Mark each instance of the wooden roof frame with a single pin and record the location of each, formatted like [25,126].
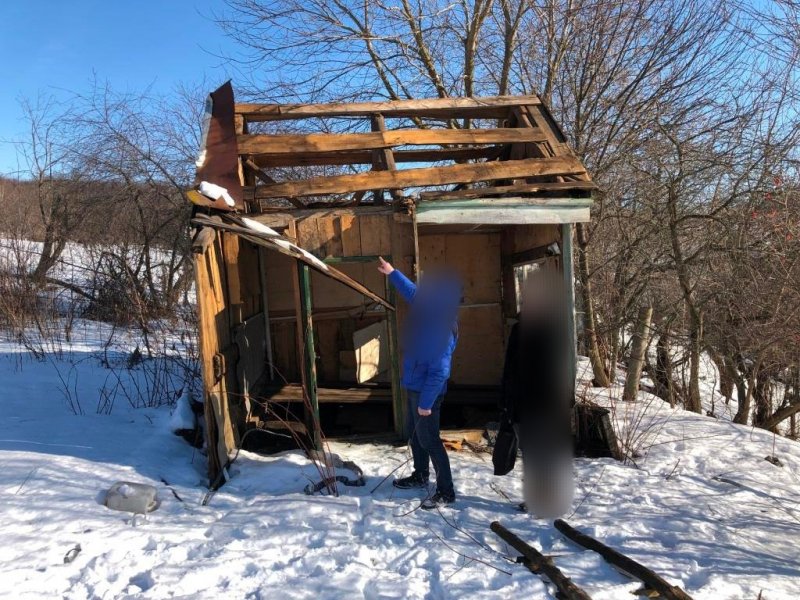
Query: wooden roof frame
[524,155]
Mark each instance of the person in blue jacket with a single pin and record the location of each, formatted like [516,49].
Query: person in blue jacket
[428,341]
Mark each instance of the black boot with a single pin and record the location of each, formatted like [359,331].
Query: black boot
[438,500]
[415,480]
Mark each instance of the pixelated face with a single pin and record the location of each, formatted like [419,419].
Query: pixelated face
[543,292]
[439,289]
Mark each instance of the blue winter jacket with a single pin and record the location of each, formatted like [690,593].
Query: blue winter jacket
[429,333]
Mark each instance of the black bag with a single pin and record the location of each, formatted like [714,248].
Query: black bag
[505,448]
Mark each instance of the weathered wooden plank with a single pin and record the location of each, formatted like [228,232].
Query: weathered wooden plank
[270,243]
[508,202]
[377,140]
[375,235]
[308,236]
[281,219]
[214,335]
[466,173]
[476,256]
[330,236]
[351,234]
[523,188]
[329,395]
[364,157]
[519,215]
[488,107]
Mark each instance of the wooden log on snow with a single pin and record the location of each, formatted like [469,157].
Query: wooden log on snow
[619,560]
[541,564]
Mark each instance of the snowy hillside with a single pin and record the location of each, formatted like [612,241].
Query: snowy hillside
[701,507]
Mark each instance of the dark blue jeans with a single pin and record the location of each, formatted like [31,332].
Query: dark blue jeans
[426,444]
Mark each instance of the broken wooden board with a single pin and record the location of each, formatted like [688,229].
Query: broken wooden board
[517,189]
[364,157]
[428,176]
[341,142]
[371,350]
[486,107]
[272,242]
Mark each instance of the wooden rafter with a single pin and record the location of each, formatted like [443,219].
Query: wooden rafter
[430,176]
[466,173]
[446,108]
[376,140]
[364,157]
[270,242]
[523,188]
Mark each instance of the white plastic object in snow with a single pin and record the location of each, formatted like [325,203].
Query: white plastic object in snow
[137,498]
[215,192]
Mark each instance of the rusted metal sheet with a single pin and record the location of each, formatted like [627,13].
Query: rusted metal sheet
[219,157]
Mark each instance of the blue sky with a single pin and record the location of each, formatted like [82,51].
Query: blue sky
[52,47]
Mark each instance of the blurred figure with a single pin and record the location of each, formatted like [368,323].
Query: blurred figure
[538,394]
[427,344]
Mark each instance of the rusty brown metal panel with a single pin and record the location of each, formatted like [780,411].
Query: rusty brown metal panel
[221,160]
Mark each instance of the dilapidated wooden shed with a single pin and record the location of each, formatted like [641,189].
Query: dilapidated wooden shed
[294,316]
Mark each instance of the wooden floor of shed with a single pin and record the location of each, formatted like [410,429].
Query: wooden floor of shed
[293,392]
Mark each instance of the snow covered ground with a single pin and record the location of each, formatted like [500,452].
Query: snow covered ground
[701,507]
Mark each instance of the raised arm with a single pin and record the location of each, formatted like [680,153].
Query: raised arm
[405,287]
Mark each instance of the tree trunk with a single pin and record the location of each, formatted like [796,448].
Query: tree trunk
[694,403]
[638,351]
[52,247]
[762,394]
[615,349]
[664,377]
[781,415]
[600,376]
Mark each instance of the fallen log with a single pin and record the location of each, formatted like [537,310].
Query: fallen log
[540,564]
[619,560]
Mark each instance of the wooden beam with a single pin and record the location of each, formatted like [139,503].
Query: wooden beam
[254,169]
[466,173]
[488,107]
[340,142]
[619,560]
[504,211]
[523,188]
[270,243]
[364,157]
[526,256]
[541,564]
[383,160]
[293,393]
[281,219]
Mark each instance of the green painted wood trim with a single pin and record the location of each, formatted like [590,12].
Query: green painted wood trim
[309,354]
[398,397]
[569,284]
